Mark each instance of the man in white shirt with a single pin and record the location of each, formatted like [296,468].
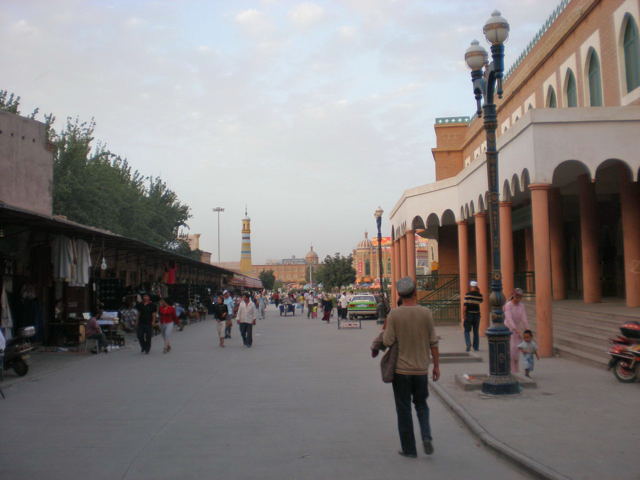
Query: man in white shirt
[344,305]
[246,319]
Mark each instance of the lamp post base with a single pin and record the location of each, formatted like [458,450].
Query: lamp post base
[500,381]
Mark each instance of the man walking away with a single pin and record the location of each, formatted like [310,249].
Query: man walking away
[146,321]
[246,320]
[411,327]
[472,301]
[228,301]
[344,306]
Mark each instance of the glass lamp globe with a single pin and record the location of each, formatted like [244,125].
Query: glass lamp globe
[496,29]
[378,213]
[475,56]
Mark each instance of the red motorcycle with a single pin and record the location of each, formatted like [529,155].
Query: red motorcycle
[625,353]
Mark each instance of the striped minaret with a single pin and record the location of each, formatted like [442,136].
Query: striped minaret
[245,251]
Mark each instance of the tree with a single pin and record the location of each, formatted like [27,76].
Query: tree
[335,272]
[268,279]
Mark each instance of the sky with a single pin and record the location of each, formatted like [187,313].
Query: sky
[310,113]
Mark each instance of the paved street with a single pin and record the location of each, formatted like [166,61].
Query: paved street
[305,402]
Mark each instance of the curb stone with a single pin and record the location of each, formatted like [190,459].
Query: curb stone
[529,464]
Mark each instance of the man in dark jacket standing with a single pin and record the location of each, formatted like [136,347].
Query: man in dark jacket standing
[411,326]
[146,321]
[472,301]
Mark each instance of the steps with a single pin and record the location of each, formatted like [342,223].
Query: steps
[581,333]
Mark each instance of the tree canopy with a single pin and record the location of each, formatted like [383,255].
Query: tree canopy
[94,186]
[268,279]
[336,271]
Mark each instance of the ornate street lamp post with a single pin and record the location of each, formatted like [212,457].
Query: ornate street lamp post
[487,81]
[382,310]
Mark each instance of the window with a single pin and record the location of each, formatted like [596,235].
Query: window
[389,266]
[367,267]
[572,91]
[631,54]
[593,72]
[551,98]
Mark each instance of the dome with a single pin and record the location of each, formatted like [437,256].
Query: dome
[311,257]
[366,243]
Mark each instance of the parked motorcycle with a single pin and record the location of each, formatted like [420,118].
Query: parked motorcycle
[17,350]
[625,353]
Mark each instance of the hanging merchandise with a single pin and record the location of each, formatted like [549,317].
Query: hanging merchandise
[82,263]
[62,257]
[6,318]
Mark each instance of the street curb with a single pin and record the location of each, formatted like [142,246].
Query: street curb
[532,466]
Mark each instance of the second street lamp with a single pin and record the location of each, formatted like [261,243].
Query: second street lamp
[487,82]
[382,310]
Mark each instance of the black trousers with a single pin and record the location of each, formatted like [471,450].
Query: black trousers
[472,323]
[405,389]
[145,333]
[246,330]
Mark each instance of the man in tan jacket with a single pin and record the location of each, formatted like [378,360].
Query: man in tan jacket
[411,326]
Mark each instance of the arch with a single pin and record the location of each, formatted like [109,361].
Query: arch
[393,233]
[571,89]
[448,217]
[515,185]
[594,79]
[481,204]
[417,223]
[631,53]
[567,171]
[612,162]
[433,223]
[472,208]
[506,191]
[462,215]
[529,107]
[466,211]
[552,100]
[525,180]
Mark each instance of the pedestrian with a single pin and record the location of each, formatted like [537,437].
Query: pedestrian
[411,327]
[472,301]
[146,321]
[167,319]
[327,307]
[229,302]
[528,348]
[262,305]
[246,320]
[515,319]
[129,315]
[94,332]
[308,301]
[276,299]
[344,306]
[181,314]
[220,313]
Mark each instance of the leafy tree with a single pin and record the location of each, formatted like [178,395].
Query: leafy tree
[336,271]
[268,279]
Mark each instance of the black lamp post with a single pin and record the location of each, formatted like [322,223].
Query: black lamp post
[487,81]
[382,310]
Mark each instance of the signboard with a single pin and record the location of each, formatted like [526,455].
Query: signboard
[343,324]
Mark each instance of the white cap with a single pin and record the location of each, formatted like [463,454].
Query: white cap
[473,283]
[225,292]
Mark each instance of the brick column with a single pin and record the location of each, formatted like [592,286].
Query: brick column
[591,286]
[630,208]
[403,256]
[411,254]
[506,248]
[482,267]
[395,272]
[556,241]
[463,261]
[542,262]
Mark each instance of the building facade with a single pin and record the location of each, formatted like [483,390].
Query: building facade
[569,167]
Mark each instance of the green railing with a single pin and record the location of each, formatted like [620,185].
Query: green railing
[526,281]
[441,294]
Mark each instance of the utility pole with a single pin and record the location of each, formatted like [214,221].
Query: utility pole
[218,210]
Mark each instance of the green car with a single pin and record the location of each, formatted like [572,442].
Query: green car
[363,306]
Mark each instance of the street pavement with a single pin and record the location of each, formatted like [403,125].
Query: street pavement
[579,421]
[306,402]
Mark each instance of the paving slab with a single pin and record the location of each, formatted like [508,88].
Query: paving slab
[306,402]
[579,421]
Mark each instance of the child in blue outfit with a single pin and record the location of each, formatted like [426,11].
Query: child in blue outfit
[528,348]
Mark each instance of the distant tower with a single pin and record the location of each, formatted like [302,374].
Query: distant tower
[245,251]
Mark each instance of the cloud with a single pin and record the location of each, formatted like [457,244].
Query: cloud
[307,14]
[254,22]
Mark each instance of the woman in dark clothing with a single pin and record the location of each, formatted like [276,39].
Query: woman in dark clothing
[327,306]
